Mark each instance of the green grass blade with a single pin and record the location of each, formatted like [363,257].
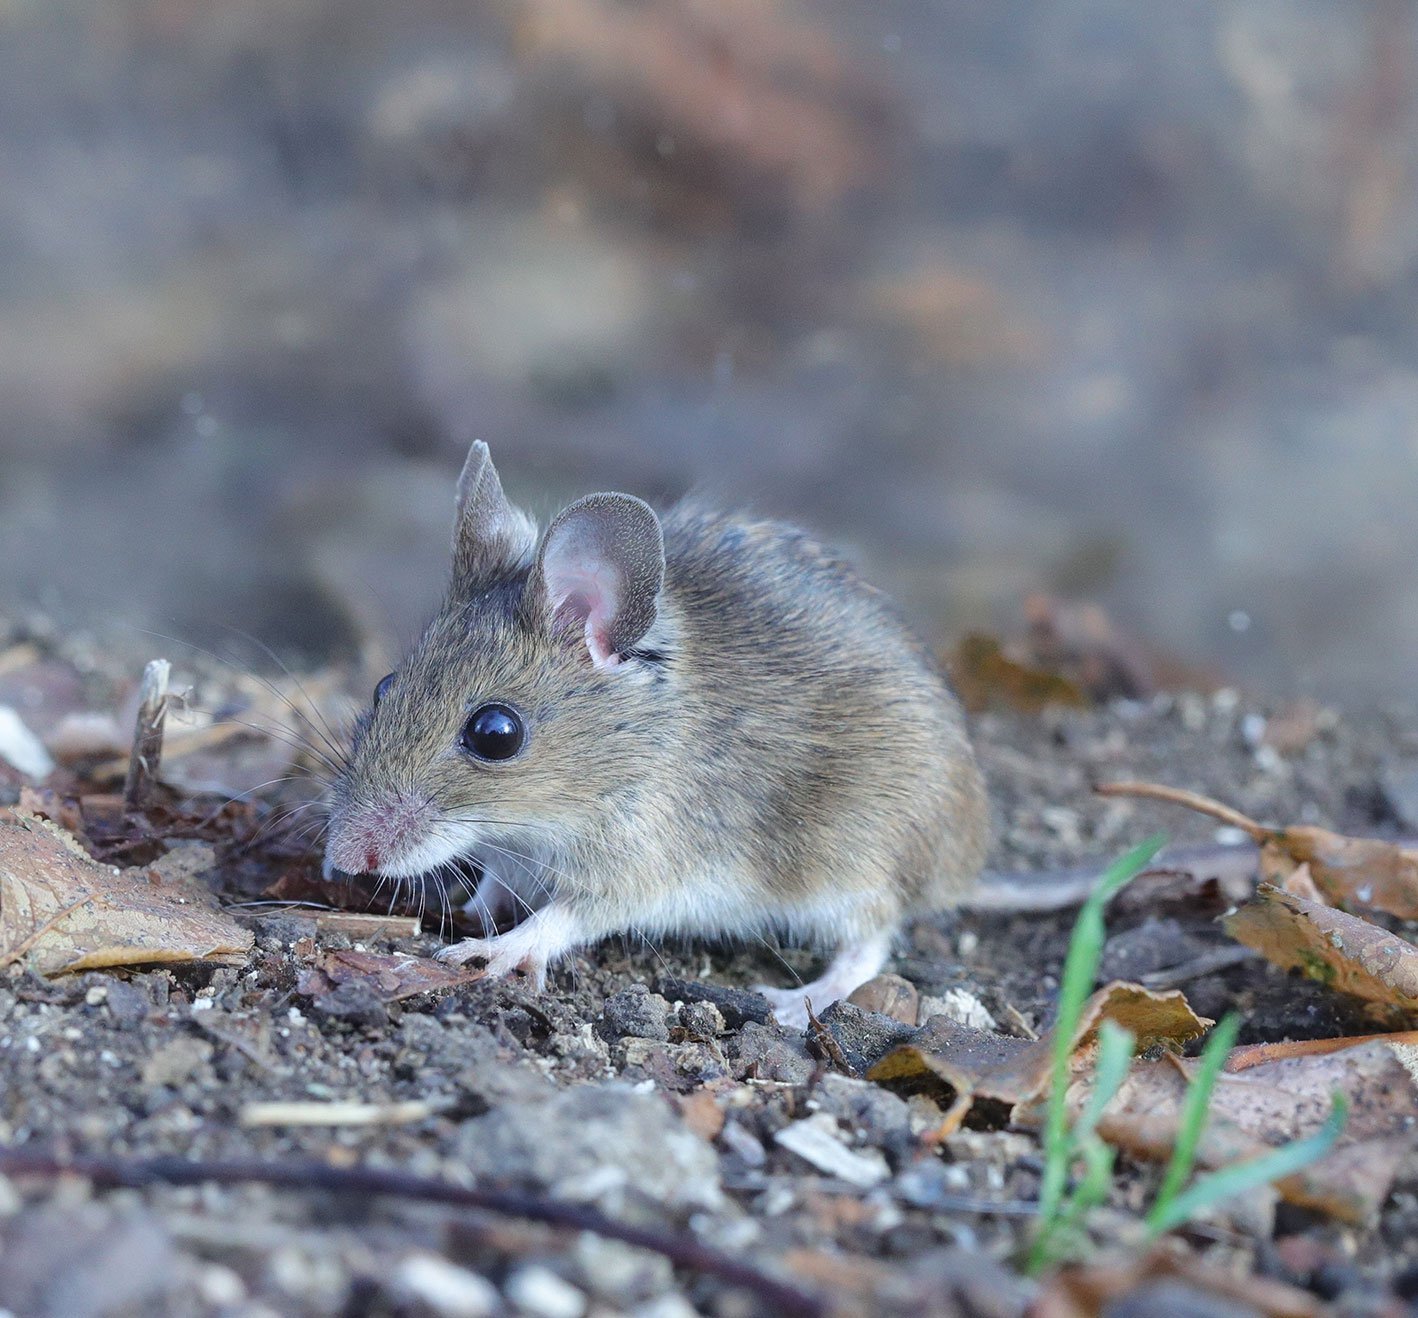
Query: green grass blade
[1080,970]
[1076,983]
[1285,1161]
[1195,1110]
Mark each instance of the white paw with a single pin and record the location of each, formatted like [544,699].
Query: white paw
[503,956]
[455,954]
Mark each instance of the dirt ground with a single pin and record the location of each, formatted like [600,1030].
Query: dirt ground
[650,1084]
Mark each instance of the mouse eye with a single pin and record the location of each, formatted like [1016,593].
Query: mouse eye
[494,732]
[382,689]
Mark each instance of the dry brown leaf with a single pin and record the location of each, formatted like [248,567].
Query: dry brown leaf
[1275,1102]
[1340,950]
[1016,1071]
[1362,871]
[60,910]
[392,977]
[1359,871]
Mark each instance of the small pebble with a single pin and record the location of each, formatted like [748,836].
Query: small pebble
[889,995]
[540,1292]
[450,1291]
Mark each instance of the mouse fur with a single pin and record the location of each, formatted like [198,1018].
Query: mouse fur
[727,733]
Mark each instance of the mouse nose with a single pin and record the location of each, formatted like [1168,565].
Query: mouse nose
[370,836]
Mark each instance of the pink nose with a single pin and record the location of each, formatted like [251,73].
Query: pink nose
[359,841]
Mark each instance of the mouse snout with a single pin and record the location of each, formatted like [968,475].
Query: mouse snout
[367,838]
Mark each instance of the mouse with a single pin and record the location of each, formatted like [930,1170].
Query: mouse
[699,724]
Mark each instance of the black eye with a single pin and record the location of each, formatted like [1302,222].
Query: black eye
[382,689]
[494,732]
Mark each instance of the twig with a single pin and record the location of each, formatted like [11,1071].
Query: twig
[335,1114]
[146,756]
[1219,958]
[821,1038]
[681,1250]
[1192,800]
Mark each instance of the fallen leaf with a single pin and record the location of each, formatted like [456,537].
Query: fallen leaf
[1273,1103]
[62,911]
[1016,1071]
[393,978]
[1340,950]
[1363,871]
[1359,871]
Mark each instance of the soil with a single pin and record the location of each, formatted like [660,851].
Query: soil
[649,1084]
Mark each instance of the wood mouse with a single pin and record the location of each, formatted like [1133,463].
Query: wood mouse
[701,725]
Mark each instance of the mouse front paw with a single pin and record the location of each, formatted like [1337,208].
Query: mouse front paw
[501,958]
[530,948]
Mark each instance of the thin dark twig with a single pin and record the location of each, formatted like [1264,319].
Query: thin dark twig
[681,1250]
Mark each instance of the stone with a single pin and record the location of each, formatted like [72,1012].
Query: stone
[354,1002]
[818,1140]
[737,1006]
[864,1036]
[759,1053]
[174,1062]
[450,1291]
[540,1292]
[887,995]
[600,1143]
[635,1012]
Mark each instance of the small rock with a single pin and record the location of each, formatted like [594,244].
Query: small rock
[354,1002]
[1399,785]
[1153,945]
[818,1140]
[702,1020]
[540,1292]
[760,1052]
[636,1012]
[737,1006]
[127,1002]
[745,1147]
[595,1143]
[961,1006]
[174,1062]
[864,1037]
[616,1271]
[883,1118]
[450,1291]
[887,995]
[21,749]
[664,1306]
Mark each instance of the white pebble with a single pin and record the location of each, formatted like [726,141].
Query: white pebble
[817,1140]
[542,1293]
[447,1289]
[21,747]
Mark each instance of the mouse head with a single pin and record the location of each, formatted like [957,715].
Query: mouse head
[533,701]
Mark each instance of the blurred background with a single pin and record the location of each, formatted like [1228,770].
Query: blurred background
[1107,300]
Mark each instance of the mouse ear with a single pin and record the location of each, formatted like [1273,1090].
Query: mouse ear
[602,564]
[489,533]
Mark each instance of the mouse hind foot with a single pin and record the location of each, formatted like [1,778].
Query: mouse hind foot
[851,967]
